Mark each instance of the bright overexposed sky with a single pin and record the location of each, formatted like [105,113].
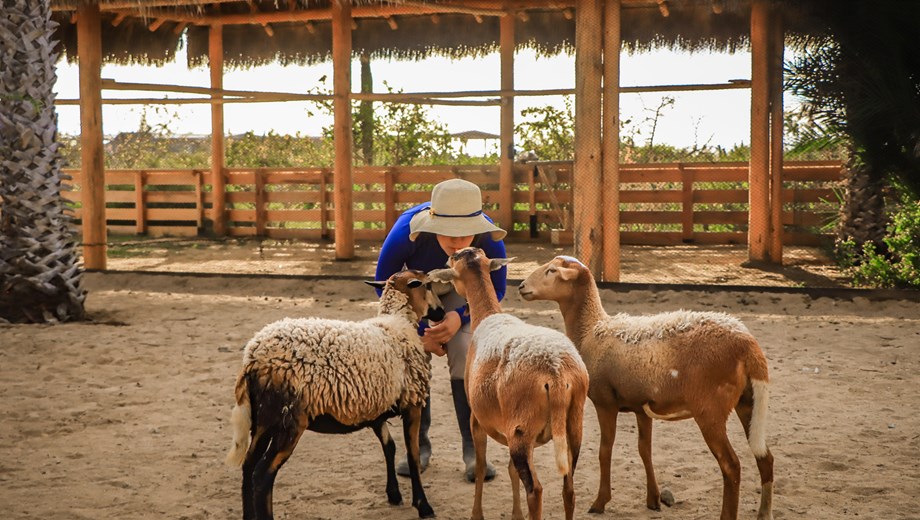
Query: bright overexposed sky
[719,117]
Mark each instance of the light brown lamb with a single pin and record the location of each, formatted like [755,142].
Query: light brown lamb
[670,366]
[525,384]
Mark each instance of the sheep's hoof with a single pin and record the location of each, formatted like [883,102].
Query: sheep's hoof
[667,498]
[394,499]
[425,510]
[596,510]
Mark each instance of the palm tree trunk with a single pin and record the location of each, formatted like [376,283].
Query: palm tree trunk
[863,218]
[40,279]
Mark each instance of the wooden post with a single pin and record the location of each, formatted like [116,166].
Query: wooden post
[218,181]
[199,198]
[506,146]
[389,198]
[776,136]
[140,219]
[92,171]
[611,143]
[342,180]
[686,177]
[260,201]
[587,174]
[532,201]
[323,202]
[758,179]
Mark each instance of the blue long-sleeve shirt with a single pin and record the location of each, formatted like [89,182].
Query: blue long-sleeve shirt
[425,254]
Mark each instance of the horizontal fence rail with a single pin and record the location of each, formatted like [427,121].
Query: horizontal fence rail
[660,204]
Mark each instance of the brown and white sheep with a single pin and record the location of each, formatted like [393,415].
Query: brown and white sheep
[332,376]
[525,384]
[669,366]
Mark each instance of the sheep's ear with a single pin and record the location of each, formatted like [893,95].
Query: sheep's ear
[497,263]
[377,284]
[442,275]
[568,273]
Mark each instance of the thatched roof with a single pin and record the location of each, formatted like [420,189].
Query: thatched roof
[127,36]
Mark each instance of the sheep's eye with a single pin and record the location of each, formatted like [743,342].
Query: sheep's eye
[415,283]
[551,270]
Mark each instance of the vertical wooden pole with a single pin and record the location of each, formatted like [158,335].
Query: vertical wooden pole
[389,198]
[342,180]
[686,177]
[323,204]
[199,197]
[260,201]
[218,181]
[758,179]
[611,143]
[140,218]
[587,175]
[92,171]
[506,134]
[776,136]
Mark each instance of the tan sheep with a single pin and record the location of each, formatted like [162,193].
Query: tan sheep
[332,376]
[671,366]
[525,384]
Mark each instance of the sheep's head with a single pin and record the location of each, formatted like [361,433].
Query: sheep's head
[417,287]
[556,280]
[465,263]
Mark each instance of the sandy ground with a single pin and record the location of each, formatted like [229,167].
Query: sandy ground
[127,416]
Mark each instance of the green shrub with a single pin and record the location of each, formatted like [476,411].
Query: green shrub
[899,266]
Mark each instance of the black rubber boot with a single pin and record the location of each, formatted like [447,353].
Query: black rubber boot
[462,408]
[424,444]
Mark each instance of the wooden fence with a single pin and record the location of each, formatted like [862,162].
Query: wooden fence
[661,204]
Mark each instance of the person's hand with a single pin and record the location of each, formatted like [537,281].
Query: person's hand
[442,331]
[435,347]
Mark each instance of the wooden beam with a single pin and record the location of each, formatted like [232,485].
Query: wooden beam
[611,143]
[92,170]
[587,171]
[776,136]
[342,180]
[506,125]
[218,180]
[759,180]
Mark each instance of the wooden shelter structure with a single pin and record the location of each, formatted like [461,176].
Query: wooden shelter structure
[251,32]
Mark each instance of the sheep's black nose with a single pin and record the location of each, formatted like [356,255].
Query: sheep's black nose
[435,314]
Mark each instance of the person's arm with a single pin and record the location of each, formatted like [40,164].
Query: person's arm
[499,277]
[394,252]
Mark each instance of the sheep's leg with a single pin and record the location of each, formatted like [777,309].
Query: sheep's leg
[607,417]
[479,444]
[516,513]
[260,440]
[389,455]
[652,491]
[412,420]
[745,411]
[522,457]
[574,432]
[717,439]
[283,442]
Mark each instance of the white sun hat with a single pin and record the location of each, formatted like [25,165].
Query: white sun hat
[456,211]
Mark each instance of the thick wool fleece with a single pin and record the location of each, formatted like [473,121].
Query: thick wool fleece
[505,337]
[637,329]
[352,371]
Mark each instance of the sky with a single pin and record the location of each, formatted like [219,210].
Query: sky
[719,117]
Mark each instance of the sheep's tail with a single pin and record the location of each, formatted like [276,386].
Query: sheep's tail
[559,394]
[760,385]
[240,422]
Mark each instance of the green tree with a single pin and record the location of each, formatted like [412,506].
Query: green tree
[40,278]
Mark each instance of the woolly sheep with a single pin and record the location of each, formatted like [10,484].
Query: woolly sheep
[525,384]
[332,376]
[670,366]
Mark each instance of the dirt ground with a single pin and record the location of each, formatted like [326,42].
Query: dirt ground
[126,416]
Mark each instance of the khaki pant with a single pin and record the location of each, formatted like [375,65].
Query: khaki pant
[458,346]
